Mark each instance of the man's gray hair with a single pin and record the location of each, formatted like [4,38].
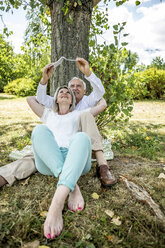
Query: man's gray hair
[55,104]
[76,78]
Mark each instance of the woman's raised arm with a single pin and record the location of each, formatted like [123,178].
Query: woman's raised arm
[37,108]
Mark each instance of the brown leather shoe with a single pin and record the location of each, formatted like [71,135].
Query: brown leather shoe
[105,175]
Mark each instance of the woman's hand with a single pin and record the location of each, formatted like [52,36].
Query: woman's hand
[46,73]
[83,66]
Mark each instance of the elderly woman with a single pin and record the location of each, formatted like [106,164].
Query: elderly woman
[61,151]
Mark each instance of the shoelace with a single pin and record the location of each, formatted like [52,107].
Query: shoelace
[58,62]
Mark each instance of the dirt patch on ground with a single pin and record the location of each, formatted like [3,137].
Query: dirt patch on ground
[126,165]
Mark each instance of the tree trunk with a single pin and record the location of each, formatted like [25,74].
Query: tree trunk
[69,39]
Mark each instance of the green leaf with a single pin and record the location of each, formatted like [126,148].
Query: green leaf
[112,46]
[137,3]
[124,43]
[79,3]
[116,40]
[115,27]
[66,10]
[120,3]
[92,43]
[2,8]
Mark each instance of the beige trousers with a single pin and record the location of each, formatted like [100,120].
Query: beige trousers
[25,166]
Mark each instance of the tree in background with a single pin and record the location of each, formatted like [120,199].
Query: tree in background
[129,60]
[6,62]
[14,66]
[158,63]
[37,41]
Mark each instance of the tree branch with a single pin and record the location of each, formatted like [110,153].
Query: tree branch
[2,20]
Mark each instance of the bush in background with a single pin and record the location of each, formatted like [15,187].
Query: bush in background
[21,87]
[148,84]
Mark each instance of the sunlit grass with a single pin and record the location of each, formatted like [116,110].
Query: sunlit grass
[144,134]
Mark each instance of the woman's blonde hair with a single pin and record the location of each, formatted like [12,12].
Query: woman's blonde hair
[55,104]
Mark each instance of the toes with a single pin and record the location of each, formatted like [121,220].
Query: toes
[72,207]
[47,231]
[48,235]
[59,232]
[53,233]
[56,231]
[76,207]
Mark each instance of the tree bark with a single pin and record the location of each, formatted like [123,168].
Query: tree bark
[69,39]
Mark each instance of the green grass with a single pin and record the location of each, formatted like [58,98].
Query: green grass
[144,134]
[21,204]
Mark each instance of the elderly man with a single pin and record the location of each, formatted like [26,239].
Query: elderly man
[25,167]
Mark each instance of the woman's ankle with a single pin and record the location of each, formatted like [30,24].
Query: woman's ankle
[59,197]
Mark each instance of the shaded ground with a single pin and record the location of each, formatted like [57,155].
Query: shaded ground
[22,204]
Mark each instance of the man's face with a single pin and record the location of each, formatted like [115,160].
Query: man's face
[78,89]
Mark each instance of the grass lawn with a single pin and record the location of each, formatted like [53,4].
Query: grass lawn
[144,134]
[139,148]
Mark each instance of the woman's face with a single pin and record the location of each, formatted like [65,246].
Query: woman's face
[64,96]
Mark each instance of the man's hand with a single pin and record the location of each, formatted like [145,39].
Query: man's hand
[83,66]
[46,73]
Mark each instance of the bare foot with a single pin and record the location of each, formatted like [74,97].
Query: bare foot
[76,200]
[54,223]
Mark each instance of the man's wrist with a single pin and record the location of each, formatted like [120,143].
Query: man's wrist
[43,82]
[88,73]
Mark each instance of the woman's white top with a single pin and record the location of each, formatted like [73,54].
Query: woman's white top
[62,126]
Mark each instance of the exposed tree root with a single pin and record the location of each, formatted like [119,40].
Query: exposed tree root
[142,195]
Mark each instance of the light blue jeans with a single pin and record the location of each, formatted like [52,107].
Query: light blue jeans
[50,159]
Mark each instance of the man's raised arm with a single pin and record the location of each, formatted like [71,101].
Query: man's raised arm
[42,97]
[98,88]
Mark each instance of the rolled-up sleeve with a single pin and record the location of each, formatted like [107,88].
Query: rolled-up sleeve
[98,90]
[42,97]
